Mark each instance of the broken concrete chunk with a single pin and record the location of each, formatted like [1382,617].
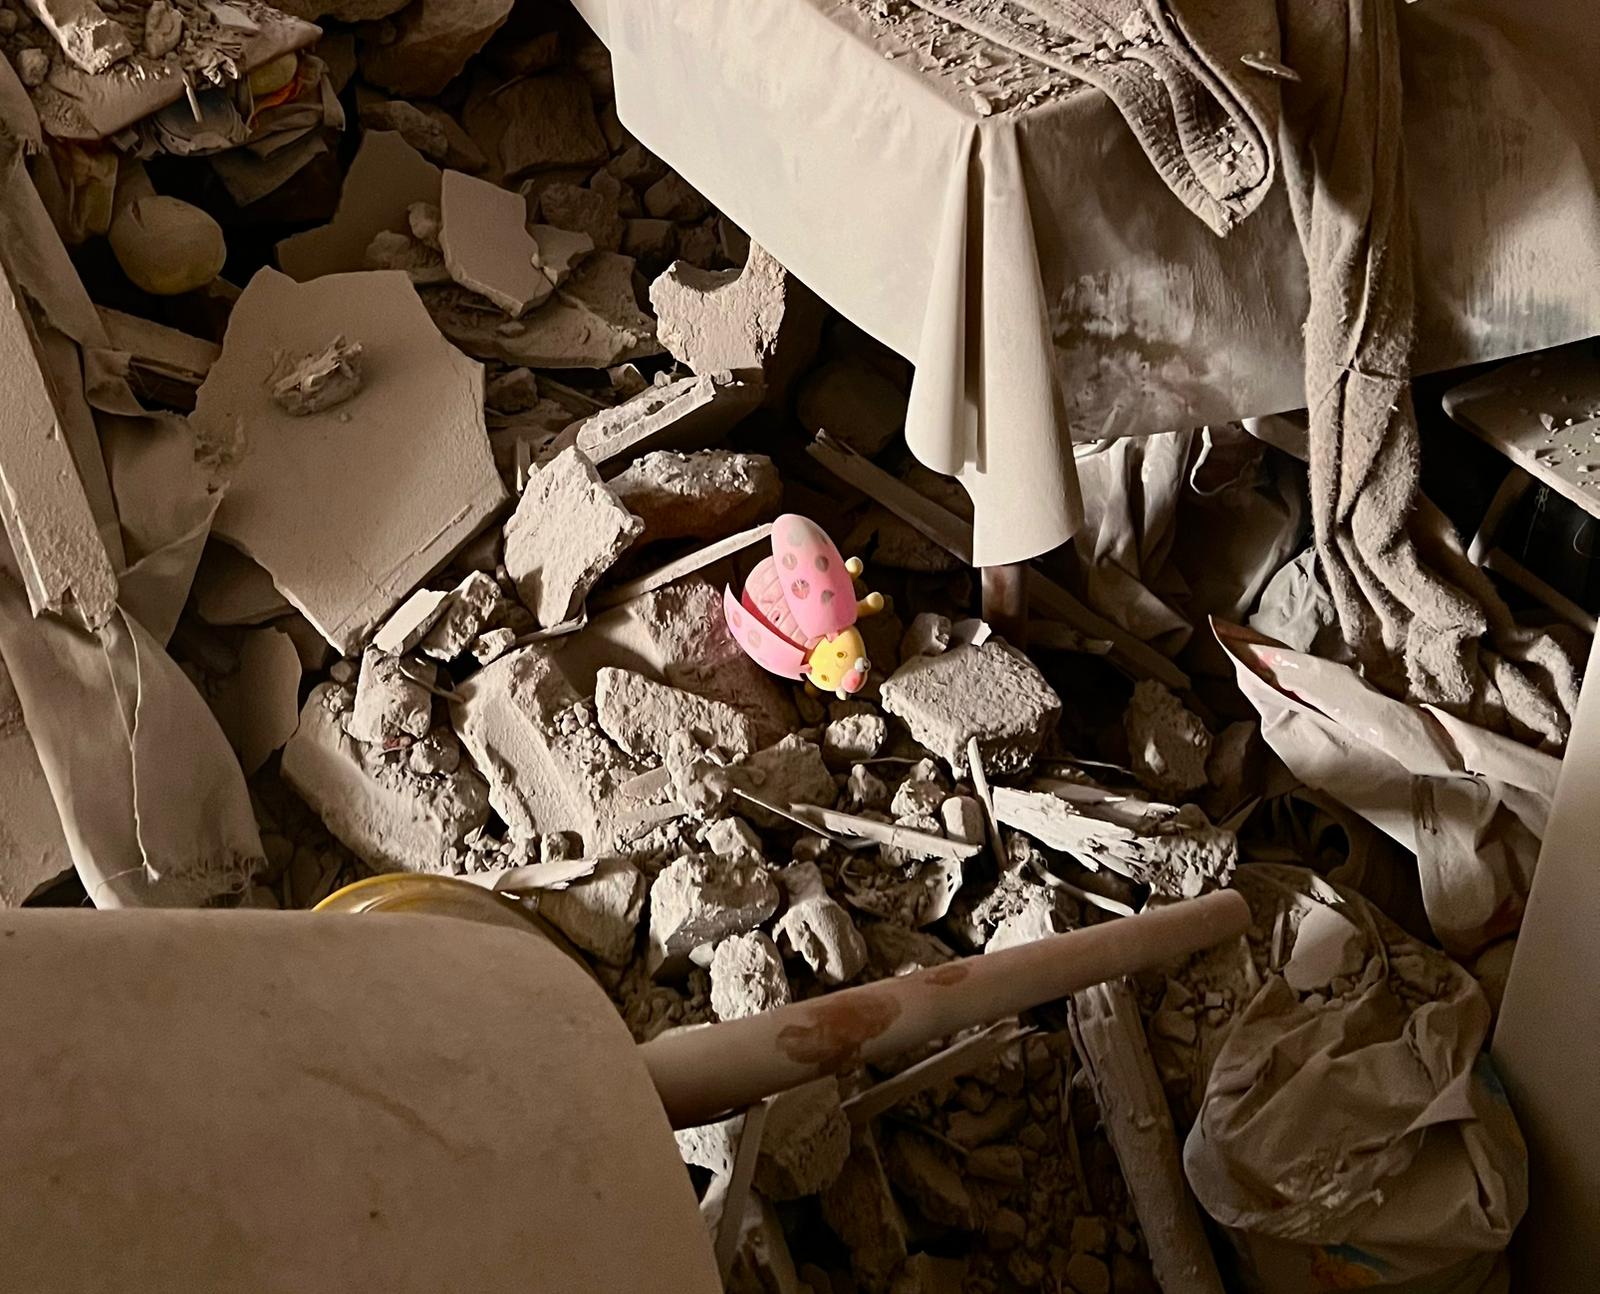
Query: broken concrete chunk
[423,132]
[790,771]
[558,252]
[163,29]
[1167,743]
[601,912]
[988,692]
[537,123]
[549,765]
[86,33]
[928,1180]
[711,1146]
[861,1210]
[392,703]
[818,929]
[484,236]
[312,383]
[583,211]
[593,321]
[425,220]
[438,752]
[421,49]
[894,949]
[568,530]
[167,246]
[854,404]
[466,612]
[686,414]
[805,1142]
[641,716]
[652,241]
[854,738]
[747,976]
[386,814]
[723,320]
[515,391]
[703,898]
[351,509]
[673,198]
[706,495]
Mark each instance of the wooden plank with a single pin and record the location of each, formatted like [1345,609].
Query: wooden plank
[1524,408]
[954,535]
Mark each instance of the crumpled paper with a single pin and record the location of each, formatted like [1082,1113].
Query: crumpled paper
[1471,804]
[1359,1141]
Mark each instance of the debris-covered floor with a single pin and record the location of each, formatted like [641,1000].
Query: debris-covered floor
[387,424]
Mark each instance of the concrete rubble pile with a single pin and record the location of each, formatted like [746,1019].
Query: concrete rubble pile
[489,404]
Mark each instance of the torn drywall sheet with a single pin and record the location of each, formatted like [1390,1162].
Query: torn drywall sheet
[346,523]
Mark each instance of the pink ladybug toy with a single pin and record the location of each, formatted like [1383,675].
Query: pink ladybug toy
[799,610]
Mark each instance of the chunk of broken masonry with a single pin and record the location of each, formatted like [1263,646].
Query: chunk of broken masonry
[1167,743]
[854,738]
[383,811]
[641,715]
[536,123]
[861,1210]
[818,929]
[686,414]
[466,612]
[705,495]
[350,509]
[53,534]
[600,913]
[704,898]
[86,33]
[855,404]
[568,530]
[393,703]
[593,321]
[583,211]
[747,976]
[483,234]
[311,383]
[550,767]
[805,1142]
[990,692]
[723,320]
[422,48]
[928,1180]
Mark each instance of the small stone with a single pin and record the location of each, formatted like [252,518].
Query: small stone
[1167,743]
[650,240]
[928,635]
[1088,1274]
[706,495]
[438,752]
[854,738]
[583,211]
[731,837]
[672,198]
[494,644]
[601,912]
[747,976]
[999,1164]
[1090,1234]
[391,706]
[163,29]
[1005,1229]
[914,798]
[1002,1119]
[865,789]
[817,928]
[924,1177]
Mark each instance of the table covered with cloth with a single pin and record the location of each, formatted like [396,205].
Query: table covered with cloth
[966,187]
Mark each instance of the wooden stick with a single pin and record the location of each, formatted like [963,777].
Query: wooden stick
[686,565]
[701,1073]
[1110,1040]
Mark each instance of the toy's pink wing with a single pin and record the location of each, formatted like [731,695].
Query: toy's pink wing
[815,583]
[763,592]
[760,641]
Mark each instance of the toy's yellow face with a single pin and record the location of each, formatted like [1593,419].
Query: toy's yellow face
[839,664]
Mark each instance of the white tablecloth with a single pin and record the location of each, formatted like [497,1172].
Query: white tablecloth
[1039,274]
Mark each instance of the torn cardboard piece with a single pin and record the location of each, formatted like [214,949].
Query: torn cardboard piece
[345,518]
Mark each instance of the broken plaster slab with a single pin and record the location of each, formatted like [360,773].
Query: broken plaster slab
[429,43]
[350,509]
[63,560]
[386,177]
[487,248]
[550,767]
[690,413]
[641,716]
[568,530]
[388,815]
[592,321]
